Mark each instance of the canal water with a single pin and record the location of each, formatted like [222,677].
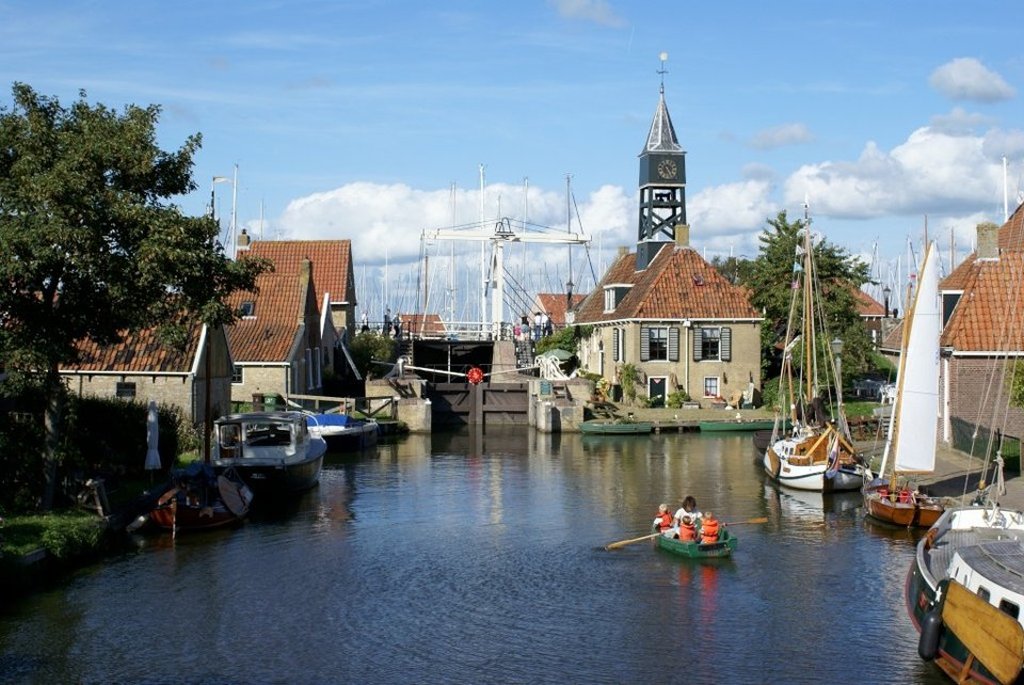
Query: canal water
[478,558]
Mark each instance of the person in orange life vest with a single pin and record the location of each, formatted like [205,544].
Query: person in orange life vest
[708,528]
[687,529]
[663,521]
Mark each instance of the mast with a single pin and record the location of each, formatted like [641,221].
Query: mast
[568,229]
[483,261]
[808,327]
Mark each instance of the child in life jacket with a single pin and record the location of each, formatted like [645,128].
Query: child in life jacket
[687,529]
[663,521]
[708,529]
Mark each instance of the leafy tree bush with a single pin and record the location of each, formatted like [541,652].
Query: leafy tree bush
[676,398]
[93,244]
[628,377]
[370,346]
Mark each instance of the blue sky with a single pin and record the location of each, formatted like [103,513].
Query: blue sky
[354,119]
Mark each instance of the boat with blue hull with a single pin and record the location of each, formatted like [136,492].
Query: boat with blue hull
[343,433]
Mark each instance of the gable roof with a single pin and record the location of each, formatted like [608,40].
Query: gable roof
[268,334]
[989,316]
[867,305]
[1011,239]
[553,304]
[139,352]
[428,325]
[677,284]
[331,259]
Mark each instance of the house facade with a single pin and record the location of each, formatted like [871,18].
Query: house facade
[143,368]
[662,310]
[983,341]
[276,346]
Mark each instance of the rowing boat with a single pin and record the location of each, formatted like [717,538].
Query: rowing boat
[616,427]
[695,550]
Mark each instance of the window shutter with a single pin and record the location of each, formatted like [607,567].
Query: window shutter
[645,344]
[726,345]
[698,342]
[673,344]
[615,344]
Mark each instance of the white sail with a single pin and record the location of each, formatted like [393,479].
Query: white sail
[917,397]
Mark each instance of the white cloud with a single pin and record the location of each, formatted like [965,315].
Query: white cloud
[729,211]
[597,11]
[931,172]
[966,78]
[390,219]
[959,122]
[779,136]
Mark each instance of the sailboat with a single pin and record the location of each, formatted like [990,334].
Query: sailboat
[816,453]
[910,445]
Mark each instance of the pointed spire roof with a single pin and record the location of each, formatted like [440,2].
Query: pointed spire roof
[662,137]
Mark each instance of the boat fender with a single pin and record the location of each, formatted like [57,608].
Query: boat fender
[931,629]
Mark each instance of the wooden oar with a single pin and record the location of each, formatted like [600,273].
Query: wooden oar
[761,519]
[623,543]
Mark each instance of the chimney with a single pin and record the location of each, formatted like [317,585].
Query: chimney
[243,241]
[988,240]
[682,235]
[623,250]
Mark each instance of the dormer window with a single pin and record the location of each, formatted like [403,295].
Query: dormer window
[248,309]
[613,295]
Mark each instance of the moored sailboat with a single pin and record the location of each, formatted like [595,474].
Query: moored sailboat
[816,453]
[910,445]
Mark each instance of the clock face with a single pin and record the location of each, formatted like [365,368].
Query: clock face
[667,168]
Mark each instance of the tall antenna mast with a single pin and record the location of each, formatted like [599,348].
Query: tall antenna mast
[568,229]
[483,265]
[234,210]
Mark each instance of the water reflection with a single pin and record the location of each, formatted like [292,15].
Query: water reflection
[478,557]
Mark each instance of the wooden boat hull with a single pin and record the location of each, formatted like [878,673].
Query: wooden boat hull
[196,505]
[599,427]
[907,514]
[694,550]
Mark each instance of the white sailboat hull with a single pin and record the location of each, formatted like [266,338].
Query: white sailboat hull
[812,477]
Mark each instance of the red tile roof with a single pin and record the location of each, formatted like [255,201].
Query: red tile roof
[429,325]
[1011,239]
[553,304]
[989,316]
[867,305]
[267,336]
[677,284]
[331,259]
[139,352]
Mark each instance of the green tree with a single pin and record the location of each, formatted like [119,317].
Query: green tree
[91,245]
[369,347]
[839,275]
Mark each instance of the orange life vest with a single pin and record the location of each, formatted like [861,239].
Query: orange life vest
[709,531]
[666,521]
[687,532]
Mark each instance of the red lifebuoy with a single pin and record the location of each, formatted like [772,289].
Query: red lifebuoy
[475,375]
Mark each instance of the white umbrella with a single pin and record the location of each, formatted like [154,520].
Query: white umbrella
[152,438]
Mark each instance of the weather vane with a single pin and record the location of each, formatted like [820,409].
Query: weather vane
[664,58]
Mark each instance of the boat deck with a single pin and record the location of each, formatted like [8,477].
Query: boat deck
[975,541]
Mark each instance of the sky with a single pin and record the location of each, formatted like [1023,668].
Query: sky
[370,120]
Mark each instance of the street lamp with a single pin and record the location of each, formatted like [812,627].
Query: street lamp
[886,292]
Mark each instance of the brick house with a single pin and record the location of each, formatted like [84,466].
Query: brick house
[682,324]
[332,261]
[277,346]
[983,335]
[142,368]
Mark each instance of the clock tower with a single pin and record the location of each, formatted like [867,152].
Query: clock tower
[662,183]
